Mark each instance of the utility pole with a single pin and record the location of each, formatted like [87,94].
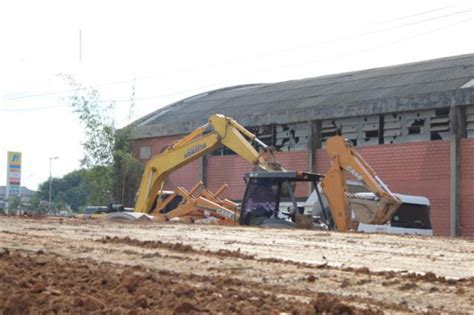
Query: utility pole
[50,180]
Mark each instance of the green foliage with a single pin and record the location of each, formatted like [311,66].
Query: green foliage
[13,203]
[96,117]
[36,206]
[72,190]
[99,180]
[113,174]
[127,169]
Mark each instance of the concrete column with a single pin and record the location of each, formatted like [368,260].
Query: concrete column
[458,130]
[313,144]
[203,169]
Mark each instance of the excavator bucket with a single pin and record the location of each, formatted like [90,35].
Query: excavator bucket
[370,210]
[193,206]
[215,197]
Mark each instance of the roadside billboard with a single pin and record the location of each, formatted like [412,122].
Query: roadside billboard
[14,174]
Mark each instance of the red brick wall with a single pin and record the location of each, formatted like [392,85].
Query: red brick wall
[156,144]
[229,170]
[221,169]
[186,176]
[466,188]
[411,168]
[232,168]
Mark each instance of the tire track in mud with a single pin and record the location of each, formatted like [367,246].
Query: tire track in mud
[357,278]
[180,247]
[43,283]
[394,292]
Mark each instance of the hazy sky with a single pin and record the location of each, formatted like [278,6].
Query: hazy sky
[175,49]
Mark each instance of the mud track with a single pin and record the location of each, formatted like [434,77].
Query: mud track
[66,266]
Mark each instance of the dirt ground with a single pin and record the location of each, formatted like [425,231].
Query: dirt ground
[84,266]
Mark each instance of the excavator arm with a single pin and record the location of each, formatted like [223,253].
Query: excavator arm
[345,159]
[223,131]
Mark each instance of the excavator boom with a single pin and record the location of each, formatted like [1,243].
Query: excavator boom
[223,131]
[345,159]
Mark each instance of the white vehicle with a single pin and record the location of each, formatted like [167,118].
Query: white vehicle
[412,217]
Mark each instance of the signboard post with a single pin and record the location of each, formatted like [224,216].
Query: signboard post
[14,174]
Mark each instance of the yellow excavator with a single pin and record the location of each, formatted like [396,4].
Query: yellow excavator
[269,177]
[220,130]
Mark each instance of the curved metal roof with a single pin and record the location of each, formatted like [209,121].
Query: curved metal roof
[420,85]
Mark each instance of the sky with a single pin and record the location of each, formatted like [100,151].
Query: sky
[170,50]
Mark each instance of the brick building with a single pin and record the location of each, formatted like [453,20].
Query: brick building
[414,124]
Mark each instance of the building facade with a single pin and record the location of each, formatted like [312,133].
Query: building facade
[413,123]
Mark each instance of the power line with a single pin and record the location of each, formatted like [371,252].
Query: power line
[368,49]
[51,93]
[363,34]
[415,14]
[418,22]
[196,112]
[30,109]
[352,36]
[287,66]
[116,100]
[266,69]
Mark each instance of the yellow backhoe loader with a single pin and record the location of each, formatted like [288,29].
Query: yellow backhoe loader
[345,159]
[224,131]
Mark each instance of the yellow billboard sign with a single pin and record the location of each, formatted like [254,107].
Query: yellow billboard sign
[14,174]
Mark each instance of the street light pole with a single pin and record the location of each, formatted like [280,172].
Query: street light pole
[50,180]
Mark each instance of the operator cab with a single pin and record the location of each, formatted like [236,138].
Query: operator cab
[264,193]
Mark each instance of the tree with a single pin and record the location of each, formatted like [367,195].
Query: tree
[73,189]
[127,169]
[114,173]
[13,203]
[36,207]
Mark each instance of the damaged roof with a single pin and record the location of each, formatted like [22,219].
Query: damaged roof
[420,85]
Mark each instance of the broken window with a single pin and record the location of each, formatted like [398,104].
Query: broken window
[346,127]
[392,128]
[328,129]
[370,130]
[405,127]
[470,121]
[266,134]
[349,128]
[292,137]
[439,124]
[416,126]
[361,131]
